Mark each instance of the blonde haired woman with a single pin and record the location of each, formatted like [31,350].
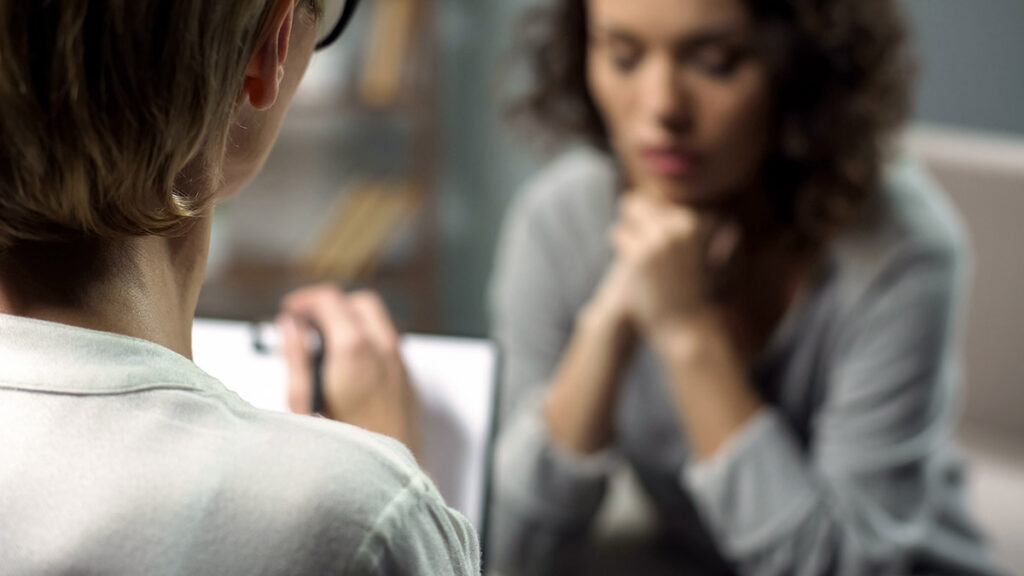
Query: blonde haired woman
[121,123]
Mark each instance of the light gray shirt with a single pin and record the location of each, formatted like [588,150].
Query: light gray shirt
[849,469]
[118,456]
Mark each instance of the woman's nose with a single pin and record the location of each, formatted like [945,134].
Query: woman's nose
[666,100]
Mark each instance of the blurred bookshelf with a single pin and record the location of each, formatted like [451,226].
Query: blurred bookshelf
[348,194]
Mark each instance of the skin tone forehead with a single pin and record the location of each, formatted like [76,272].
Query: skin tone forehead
[666,21]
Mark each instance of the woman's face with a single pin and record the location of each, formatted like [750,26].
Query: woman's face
[682,94]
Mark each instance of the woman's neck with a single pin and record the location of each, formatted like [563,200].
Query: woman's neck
[769,257]
[145,287]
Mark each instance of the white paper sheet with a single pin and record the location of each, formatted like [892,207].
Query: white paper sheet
[454,378]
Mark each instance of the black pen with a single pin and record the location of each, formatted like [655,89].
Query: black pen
[266,339]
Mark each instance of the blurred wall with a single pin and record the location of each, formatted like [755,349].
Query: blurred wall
[973,77]
[483,165]
[973,71]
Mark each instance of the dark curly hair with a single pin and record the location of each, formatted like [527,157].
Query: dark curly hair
[841,74]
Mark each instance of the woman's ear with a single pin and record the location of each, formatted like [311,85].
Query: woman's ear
[265,70]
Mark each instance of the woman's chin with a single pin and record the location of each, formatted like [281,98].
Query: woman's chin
[689,194]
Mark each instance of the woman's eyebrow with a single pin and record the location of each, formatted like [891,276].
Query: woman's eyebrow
[708,35]
[615,34]
[713,35]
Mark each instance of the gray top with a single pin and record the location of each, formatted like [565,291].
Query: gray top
[119,456]
[850,469]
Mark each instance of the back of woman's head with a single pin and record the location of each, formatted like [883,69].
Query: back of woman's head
[103,104]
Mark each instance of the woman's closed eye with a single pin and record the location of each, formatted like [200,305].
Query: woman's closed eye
[718,61]
[625,57]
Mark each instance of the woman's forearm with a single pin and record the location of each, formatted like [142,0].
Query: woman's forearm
[580,404]
[713,396]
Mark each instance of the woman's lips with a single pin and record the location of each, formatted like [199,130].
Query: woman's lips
[670,161]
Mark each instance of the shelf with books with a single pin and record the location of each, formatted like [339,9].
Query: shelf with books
[348,195]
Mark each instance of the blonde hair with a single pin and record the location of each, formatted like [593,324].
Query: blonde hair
[103,104]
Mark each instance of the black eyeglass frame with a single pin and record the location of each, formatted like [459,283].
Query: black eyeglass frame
[339,27]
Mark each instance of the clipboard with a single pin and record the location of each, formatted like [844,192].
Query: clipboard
[455,379]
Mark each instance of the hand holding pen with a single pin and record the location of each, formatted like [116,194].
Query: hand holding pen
[364,380]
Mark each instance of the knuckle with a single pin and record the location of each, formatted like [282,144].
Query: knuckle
[327,288]
[369,299]
[368,295]
[331,293]
[350,343]
[687,223]
[660,242]
[391,347]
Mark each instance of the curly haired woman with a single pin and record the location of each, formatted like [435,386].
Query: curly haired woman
[735,289]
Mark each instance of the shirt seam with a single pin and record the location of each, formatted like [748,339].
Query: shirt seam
[364,556]
[59,391]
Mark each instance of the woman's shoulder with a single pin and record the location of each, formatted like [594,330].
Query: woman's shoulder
[579,183]
[306,477]
[553,246]
[912,219]
[330,454]
[916,211]
[334,476]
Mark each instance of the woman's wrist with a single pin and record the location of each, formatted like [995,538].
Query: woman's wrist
[692,340]
[606,323]
[713,396]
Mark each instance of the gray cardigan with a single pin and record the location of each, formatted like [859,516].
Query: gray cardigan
[851,469]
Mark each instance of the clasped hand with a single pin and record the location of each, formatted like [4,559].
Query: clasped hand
[658,282]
